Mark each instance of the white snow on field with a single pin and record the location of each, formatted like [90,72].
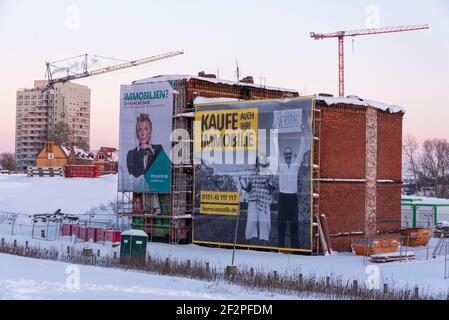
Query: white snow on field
[41,279]
[427,200]
[19,193]
[426,272]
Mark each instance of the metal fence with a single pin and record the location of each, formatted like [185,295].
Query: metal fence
[417,215]
[36,227]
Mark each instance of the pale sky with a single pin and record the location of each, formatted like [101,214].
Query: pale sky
[270,39]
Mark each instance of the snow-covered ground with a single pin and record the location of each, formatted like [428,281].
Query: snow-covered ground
[19,194]
[427,200]
[426,272]
[41,279]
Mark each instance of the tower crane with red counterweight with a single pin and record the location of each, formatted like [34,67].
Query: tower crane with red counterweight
[353,33]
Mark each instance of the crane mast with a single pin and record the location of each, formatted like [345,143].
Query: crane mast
[353,33]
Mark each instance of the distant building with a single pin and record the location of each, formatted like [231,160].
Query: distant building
[71,105]
[55,155]
[52,155]
[107,159]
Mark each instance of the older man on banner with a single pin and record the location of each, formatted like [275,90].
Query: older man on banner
[259,187]
[290,125]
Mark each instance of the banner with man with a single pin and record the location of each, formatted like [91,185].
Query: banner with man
[253,164]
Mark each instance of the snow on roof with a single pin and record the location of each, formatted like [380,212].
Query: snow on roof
[204,100]
[134,232]
[354,100]
[79,153]
[66,150]
[82,154]
[162,78]
[108,149]
[114,156]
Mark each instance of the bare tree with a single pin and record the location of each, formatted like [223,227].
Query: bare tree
[7,161]
[410,149]
[442,155]
[82,144]
[435,163]
[429,163]
[62,134]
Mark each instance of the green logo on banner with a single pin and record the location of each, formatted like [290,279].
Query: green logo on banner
[158,176]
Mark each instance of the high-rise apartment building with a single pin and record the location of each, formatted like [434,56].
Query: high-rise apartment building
[69,102]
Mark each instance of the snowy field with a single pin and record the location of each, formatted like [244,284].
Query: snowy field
[25,278]
[428,200]
[41,279]
[428,274]
[22,194]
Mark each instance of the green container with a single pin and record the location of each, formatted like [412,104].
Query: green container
[156,228]
[161,227]
[133,246]
[138,223]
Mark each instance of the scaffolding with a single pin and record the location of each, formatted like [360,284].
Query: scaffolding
[167,217]
[173,222]
[316,132]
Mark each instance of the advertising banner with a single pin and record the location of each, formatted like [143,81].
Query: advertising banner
[253,174]
[145,129]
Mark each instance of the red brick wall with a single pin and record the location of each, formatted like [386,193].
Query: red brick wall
[342,143]
[343,243]
[389,149]
[343,150]
[344,206]
[388,206]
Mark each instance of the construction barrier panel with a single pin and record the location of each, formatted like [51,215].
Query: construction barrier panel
[82,171]
[76,230]
[91,235]
[99,234]
[66,229]
[45,171]
[82,233]
[113,235]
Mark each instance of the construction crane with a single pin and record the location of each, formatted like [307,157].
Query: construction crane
[353,33]
[84,74]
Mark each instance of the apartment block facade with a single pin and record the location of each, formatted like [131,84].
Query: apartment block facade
[69,102]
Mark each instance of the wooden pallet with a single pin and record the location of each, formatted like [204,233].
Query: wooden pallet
[391,257]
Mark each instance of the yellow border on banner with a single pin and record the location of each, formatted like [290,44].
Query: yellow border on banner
[251,246]
[311,179]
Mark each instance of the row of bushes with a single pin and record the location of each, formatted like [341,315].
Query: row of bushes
[331,287]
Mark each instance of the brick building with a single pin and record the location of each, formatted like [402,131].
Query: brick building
[107,159]
[69,103]
[357,157]
[360,168]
